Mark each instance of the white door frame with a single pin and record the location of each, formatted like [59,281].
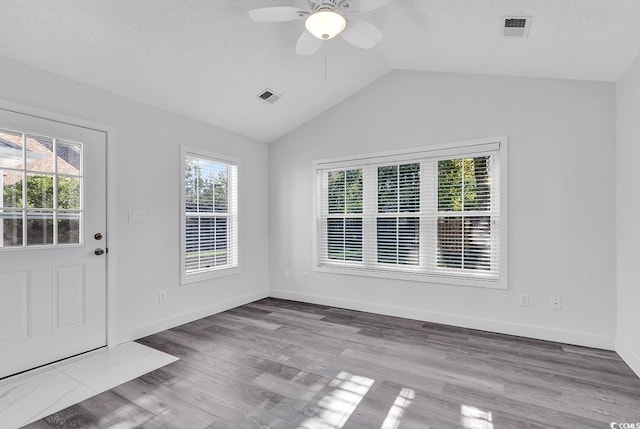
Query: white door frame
[111,235]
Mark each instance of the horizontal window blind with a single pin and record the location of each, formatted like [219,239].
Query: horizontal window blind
[433,214]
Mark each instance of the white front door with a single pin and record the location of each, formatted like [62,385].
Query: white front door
[52,231]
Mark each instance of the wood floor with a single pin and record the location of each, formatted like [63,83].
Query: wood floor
[282,364]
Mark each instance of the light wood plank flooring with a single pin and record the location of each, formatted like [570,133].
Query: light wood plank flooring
[283,364]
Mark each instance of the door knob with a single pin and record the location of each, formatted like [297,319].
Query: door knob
[99,252]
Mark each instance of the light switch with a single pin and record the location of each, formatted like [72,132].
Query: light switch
[137,216]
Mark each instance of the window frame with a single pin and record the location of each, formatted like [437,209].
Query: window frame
[402,156]
[233,212]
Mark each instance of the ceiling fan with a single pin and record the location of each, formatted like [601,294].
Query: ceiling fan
[326,19]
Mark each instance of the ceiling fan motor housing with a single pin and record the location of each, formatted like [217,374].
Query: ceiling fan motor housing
[327,4]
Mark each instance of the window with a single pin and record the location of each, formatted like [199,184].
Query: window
[431,214]
[344,226]
[464,218]
[209,216]
[41,181]
[397,223]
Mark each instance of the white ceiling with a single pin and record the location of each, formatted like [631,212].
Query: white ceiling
[207,60]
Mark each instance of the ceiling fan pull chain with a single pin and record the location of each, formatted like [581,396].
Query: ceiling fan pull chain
[325,61]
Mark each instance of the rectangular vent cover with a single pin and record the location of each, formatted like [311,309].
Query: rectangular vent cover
[515,23]
[269,96]
[516,26]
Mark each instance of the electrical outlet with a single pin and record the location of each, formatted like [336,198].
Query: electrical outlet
[556,303]
[162,297]
[524,300]
[286,275]
[305,277]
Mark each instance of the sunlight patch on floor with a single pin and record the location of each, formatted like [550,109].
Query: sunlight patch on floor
[337,406]
[400,405]
[475,418]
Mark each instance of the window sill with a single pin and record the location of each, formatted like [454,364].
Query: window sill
[208,275]
[422,278]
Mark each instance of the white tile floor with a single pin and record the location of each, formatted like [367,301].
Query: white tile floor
[31,396]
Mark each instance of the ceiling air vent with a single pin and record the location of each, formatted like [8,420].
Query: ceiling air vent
[269,96]
[516,26]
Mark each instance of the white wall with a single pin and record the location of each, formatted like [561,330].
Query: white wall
[561,199]
[146,164]
[628,209]
[562,161]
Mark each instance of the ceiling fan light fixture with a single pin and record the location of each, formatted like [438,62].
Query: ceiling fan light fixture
[325,24]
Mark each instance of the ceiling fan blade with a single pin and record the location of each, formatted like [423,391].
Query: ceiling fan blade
[308,44]
[362,6]
[277,14]
[361,33]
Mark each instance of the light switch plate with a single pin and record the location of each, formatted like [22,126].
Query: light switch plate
[137,216]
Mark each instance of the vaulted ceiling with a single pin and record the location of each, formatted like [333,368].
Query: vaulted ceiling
[207,60]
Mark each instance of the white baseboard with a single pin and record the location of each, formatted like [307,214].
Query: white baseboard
[632,359]
[521,330]
[189,316]
[529,331]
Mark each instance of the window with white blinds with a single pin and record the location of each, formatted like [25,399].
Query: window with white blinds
[434,213]
[210,215]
